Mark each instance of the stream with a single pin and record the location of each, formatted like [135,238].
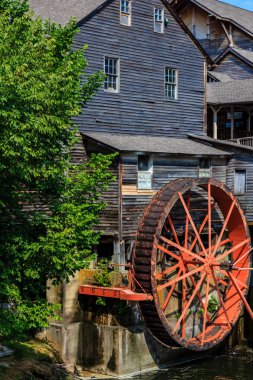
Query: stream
[236,364]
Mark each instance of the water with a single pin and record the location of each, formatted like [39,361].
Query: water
[236,364]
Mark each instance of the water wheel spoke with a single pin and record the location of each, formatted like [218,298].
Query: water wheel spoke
[199,297]
[221,299]
[205,310]
[186,235]
[192,223]
[159,276]
[222,282]
[165,250]
[224,227]
[170,293]
[243,284]
[173,229]
[183,249]
[184,302]
[231,250]
[180,278]
[185,310]
[247,306]
[201,228]
[213,246]
[241,258]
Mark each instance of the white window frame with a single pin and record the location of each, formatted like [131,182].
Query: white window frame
[158,23]
[126,16]
[237,191]
[108,75]
[142,184]
[168,83]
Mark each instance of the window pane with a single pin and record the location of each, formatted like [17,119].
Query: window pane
[125,6]
[158,15]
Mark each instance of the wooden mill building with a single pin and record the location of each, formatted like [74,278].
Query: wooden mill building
[150,104]
[226,34]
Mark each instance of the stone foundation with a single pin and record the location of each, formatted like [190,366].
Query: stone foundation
[98,343]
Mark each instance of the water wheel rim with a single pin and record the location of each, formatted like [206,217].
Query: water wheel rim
[213,333]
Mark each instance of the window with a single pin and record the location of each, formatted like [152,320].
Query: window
[240,182]
[125,12]
[111,69]
[171,83]
[145,170]
[205,168]
[158,20]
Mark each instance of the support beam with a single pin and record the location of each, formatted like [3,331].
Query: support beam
[229,34]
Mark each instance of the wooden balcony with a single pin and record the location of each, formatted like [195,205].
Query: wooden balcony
[246,141]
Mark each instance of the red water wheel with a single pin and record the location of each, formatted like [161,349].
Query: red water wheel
[193,255]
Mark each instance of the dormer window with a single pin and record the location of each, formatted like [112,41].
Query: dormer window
[125,12]
[158,20]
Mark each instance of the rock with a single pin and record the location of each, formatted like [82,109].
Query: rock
[4,364]
[5,351]
[42,371]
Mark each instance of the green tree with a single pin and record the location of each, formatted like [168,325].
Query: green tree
[48,207]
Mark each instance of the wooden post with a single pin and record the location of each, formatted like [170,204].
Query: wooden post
[232,111]
[249,121]
[205,98]
[215,121]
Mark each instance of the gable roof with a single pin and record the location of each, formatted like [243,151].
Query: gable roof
[61,11]
[153,144]
[235,92]
[242,54]
[220,77]
[240,17]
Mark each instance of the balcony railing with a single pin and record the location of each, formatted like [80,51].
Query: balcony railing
[246,141]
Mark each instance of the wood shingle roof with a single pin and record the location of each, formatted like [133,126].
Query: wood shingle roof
[234,92]
[153,144]
[61,11]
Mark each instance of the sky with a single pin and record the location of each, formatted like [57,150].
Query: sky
[247,4]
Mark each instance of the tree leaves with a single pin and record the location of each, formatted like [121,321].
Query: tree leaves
[48,207]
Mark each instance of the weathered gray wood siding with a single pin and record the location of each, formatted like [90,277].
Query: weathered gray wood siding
[109,217]
[235,67]
[140,106]
[240,162]
[241,39]
[218,41]
[165,169]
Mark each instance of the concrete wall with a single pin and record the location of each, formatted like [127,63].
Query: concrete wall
[98,343]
